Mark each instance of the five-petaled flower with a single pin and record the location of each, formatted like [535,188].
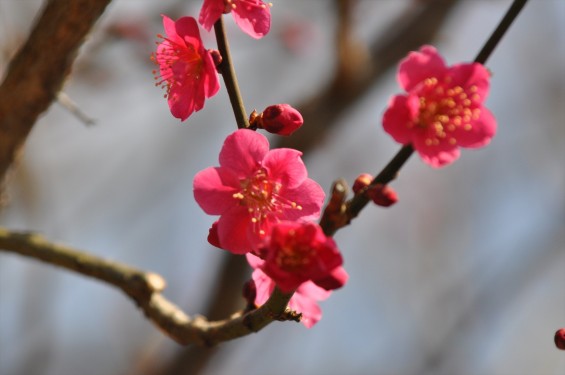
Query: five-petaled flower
[252,16]
[443,108]
[304,300]
[296,252]
[186,68]
[253,188]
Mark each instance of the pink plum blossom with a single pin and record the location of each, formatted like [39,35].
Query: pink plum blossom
[442,109]
[296,252]
[252,16]
[186,68]
[253,188]
[303,301]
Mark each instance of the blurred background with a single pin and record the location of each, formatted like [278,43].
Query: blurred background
[465,275]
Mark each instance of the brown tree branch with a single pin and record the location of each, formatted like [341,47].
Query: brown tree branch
[37,72]
[145,289]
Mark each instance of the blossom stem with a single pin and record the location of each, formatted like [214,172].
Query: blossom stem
[387,174]
[145,289]
[500,30]
[228,73]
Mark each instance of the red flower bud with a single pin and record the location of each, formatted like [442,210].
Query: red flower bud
[560,339]
[216,58]
[383,195]
[362,181]
[281,119]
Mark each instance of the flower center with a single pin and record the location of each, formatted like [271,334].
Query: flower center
[444,108]
[179,64]
[294,255]
[261,197]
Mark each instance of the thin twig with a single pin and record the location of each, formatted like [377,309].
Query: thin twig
[228,73]
[145,289]
[37,72]
[500,30]
[74,109]
[389,172]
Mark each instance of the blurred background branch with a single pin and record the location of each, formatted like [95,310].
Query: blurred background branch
[38,70]
[145,289]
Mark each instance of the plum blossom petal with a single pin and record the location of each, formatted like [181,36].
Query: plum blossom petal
[237,235]
[471,75]
[211,12]
[286,165]
[443,108]
[402,109]
[335,279]
[242,152]
[214,189]
[436,155]
[254,188]
[186,68]
[252,16]
[418,66]
[309,194]
[479,135]
[297,252]
[303,301]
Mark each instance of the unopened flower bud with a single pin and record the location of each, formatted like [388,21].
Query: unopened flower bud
[281,119]
[216,57]
[383,195]
[361,182]
[560,339]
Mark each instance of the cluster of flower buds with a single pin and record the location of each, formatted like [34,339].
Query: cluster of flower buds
[381,195]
